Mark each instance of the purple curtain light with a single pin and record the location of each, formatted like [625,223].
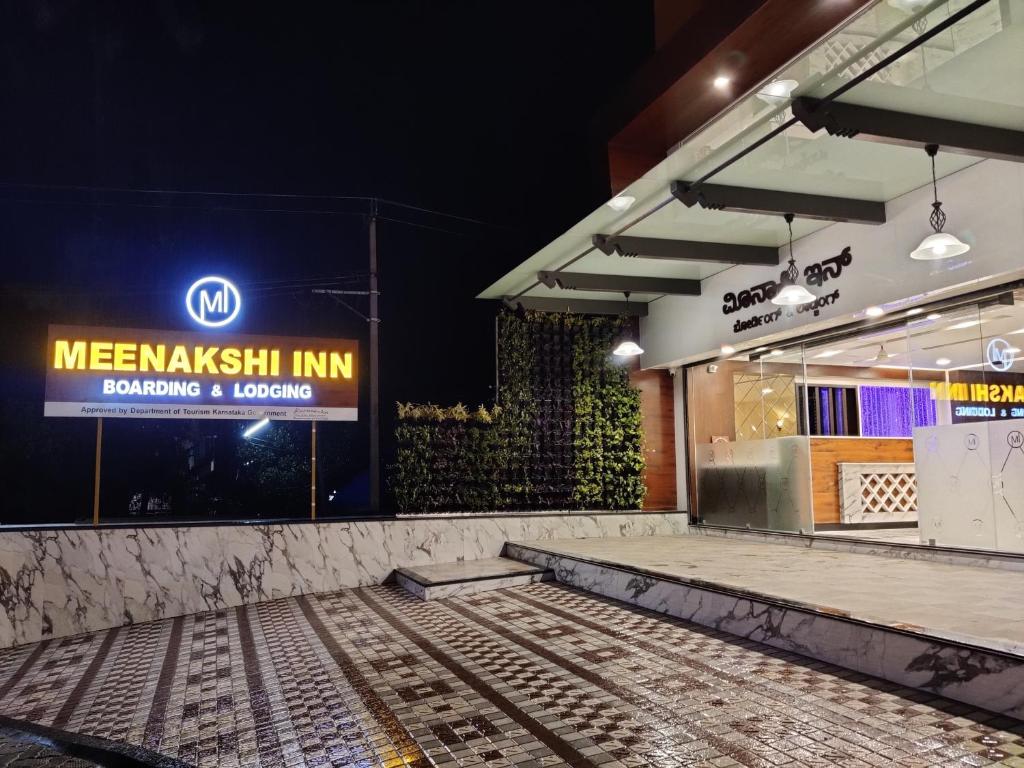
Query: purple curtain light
[895,411]
[840,404]
[823,397]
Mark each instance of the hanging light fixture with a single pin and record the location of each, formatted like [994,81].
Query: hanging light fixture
[939,244]
[881,355]
[627,347]
[791,294]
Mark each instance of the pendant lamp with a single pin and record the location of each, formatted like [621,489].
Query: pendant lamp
[938,245]
[791,294]
[627,347]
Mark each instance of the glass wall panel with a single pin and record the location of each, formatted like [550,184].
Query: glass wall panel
[951,453]
[857,397]
[750,463]
[970,460]
[910,432]
[758,483]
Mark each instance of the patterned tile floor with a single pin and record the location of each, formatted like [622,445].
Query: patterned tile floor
[532,676]
[19,753]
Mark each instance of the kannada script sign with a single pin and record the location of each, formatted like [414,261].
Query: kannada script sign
[134,373]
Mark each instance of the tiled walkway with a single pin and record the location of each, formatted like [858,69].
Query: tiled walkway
[533,676]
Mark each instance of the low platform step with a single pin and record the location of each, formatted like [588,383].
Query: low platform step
[947,629]
[468,577]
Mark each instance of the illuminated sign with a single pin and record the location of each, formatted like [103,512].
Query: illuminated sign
[1000,354]
[213,301]
[134,373]
[980,398]
[977,392]
[815,274]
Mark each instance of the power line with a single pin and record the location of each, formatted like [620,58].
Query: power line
[247,195]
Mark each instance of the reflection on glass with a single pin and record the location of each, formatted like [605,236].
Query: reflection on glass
[750,463]
[971,461]
[760,483]
[857,400]
[910,432]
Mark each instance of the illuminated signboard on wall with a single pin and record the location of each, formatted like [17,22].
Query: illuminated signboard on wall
[133,373]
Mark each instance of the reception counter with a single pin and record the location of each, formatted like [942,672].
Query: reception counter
[827,453]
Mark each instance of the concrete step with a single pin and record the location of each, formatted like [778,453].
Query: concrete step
[468,577]
[757,591]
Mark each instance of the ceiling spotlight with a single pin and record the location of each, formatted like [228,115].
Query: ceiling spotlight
[939,244]
[721,82]
[874,311]
[777,352]
[767,391]
[627,347]
[777,91]
[943,361]
[934,316]
[761,349]
[728,349]
[791,294]
[914,311]
[621,203]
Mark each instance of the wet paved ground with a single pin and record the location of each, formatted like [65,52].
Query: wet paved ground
[15,753]
[531,676]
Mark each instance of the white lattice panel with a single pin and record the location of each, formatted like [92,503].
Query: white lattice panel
[877,493]
[888,492]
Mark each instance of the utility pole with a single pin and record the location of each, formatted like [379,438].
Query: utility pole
[374,367]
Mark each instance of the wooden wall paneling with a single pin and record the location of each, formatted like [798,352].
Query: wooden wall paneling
[710,411]
[657,410]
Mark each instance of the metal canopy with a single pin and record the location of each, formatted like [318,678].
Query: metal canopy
[583,281]
[717,197]
[968,73]
[902,129]
[577,306]
[685,250]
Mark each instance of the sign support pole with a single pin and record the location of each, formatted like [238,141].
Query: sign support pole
[96,476]
[312,473]
[374,369]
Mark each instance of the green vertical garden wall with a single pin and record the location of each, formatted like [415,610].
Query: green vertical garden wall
[565,433]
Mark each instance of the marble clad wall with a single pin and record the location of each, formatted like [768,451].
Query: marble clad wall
[63,582]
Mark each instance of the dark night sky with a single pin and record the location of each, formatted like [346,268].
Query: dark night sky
[472,108]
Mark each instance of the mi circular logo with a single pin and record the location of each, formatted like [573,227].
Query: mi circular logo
[1000,354]
[213,301]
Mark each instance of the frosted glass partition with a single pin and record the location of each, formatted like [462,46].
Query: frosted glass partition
[765,484]
[970,484]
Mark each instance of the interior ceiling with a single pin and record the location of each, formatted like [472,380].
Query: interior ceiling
[949,76]
[959,336]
